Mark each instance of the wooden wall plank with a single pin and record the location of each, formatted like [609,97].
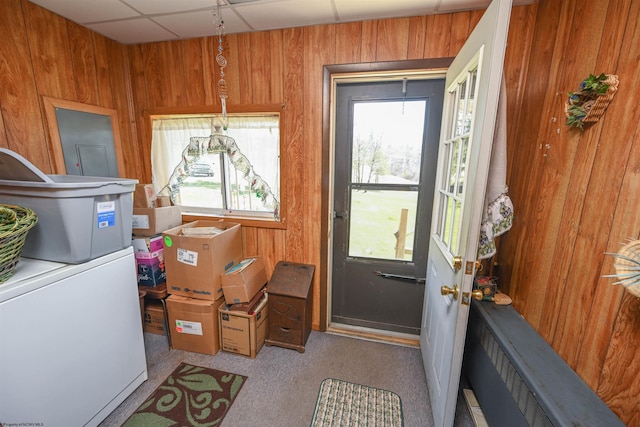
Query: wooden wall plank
[83,62]
[321,42]
[23,122]
[620,384]
[244,68]
[393,39]
[369,40]
[348,43]
[276,64]
[417,37]
[260,67]
[460,24]
[209,71]
[292,159]
[50,52]
[103,76]
[194,66]
[438,37]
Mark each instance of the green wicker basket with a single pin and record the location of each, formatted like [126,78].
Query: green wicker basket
[15,222]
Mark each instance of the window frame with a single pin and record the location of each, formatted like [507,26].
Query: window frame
[167,112]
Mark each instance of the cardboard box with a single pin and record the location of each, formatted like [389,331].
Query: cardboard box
[152,221]
[163,201]
[195,263]
[193,324]
[242,281]
[147,244]
[144,196]
[154,317]
[151,268]
[243,333]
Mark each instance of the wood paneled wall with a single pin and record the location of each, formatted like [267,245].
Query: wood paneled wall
[42,54]
[576,196]
[575,193]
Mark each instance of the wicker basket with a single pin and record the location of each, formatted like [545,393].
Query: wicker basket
[627,266]
[596,106]
[15,222]
[602,102]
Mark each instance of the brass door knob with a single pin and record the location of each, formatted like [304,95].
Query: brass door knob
[477,294]
[457,262]
[445,290]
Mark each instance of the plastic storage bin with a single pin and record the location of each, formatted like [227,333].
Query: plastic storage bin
[79,217]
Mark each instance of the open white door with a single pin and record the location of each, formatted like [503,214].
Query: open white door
[469,114]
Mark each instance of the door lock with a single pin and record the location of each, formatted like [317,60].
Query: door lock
[457,262]
[445,290]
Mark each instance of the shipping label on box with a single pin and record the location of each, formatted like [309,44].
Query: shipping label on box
[243,281]
[243,333]
[151,268]
[194,263]
[152,221]
[193,324]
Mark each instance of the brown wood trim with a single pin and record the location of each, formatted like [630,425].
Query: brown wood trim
[329,71]
[55,144]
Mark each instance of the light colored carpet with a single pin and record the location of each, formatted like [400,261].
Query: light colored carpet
[282,384]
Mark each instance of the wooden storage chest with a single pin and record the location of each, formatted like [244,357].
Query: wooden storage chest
[290,305]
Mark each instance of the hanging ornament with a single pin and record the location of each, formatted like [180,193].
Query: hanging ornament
[222,63]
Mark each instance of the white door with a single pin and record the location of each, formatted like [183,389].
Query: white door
[469,112]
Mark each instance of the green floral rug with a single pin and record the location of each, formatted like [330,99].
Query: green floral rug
[190,396]
[341,403]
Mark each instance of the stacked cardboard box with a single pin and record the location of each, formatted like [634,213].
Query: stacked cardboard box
[152,215]
[196,255]
[243,320]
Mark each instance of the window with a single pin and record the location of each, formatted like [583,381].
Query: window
[456,146]
[211,169]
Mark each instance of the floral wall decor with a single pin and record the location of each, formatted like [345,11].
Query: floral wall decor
[588,103]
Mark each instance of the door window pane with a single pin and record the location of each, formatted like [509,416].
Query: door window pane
[386,152]
[456,146]
[377,223]
[387,142]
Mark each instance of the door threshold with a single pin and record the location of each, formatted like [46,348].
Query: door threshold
[377,335]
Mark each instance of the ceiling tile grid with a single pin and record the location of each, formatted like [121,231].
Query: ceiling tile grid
[144,21]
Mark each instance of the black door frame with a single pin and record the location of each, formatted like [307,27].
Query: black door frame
[373,68]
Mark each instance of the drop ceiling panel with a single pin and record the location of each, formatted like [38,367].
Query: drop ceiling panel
[285,13]
[88,10]
[144,21]
[152,7]
[199,24]
[142,30]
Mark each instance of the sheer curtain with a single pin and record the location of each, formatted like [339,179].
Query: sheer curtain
[257,137]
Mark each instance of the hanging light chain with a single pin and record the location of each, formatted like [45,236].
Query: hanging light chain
[222,63]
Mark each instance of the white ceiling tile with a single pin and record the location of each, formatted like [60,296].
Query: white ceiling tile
[88,10]
[133,31]
[152,7]
[286,13]
[173,19]
[349,10]
[198,24]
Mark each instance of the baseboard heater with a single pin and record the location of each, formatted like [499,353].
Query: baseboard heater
[519,380]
